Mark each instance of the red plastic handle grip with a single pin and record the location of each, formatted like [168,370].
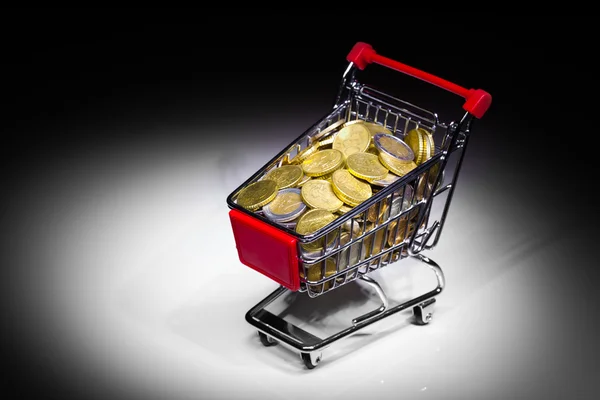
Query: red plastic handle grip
[477,101]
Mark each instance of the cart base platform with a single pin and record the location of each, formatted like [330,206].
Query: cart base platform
[273,329]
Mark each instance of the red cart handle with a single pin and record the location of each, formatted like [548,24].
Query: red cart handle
[477,100]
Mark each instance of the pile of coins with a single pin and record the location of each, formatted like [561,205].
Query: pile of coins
[343,166]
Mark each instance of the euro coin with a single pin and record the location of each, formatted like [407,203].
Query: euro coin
[322,162]
[366,166]
[421,143]
[313,220]
[352,139]
[434,171]
[326,143]
[327,131]
[324,177]
[319,194]
[286,176]
[402,200]
[423,188]
[304,154]
[373,127]
[310,222]
[315,273]
[415,140]
[289,225]
[398,231]
[394,148]
[353,228]
[349,189]
[372,150]
[257,194]
[374,243]
[377,212]
[397,168]
[344,209]
[387,180]
[303,180]
[348,256]
[286,206]
[430,145]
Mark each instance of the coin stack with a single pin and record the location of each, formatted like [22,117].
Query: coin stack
[342,167]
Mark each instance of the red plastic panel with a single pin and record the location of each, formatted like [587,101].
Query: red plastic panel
[266,249]
[477,101]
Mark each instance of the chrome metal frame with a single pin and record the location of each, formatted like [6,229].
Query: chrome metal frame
[358,101]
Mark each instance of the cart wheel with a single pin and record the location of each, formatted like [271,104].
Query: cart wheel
[423,312]
[311,360]
[265,340]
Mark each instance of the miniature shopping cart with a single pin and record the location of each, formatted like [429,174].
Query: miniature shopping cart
[395,223]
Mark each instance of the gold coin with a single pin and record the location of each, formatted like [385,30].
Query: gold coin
[398,236]
[366,166]
[376,128]
[304,154]
[349,189]
[372,150]
[324,177]
[374,242]
[394,148]
[422,187]
[352,139]
[303,180]
[286,159]
[394,166]
[421,143]
[327,131]
[313,220]
[387,180]
[414,139]
[344,209]
[325,143]
[430,145]
[433,173]
[373,127]
[318,193]
[323,162]
[378,212]
[257,194]
[315,272]
[286,176]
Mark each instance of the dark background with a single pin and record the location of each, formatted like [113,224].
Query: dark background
[68,68]
[70,76]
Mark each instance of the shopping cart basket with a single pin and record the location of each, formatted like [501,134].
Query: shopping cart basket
[395,223]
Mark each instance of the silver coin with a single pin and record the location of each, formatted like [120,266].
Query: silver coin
[350,255]
[289,225]
[407,193]
[309,253]
[287,217]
